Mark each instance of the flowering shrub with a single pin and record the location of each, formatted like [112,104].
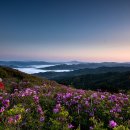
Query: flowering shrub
[52,107]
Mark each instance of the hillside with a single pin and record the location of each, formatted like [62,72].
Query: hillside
[110,81]
[46,105]
[12,78]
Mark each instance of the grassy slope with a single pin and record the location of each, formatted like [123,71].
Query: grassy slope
[74,106]
[11,76]
[106,81]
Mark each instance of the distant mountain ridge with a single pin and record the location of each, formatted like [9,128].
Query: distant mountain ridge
[70,64]
[66,67]
[23,63]
[85,65]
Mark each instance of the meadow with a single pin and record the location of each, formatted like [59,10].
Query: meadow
[32,103]
[53,107]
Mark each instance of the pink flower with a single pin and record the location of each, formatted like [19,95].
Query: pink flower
[87,103]
[112,124]
[55,110]
[42,119]
[58,106]
[2,109]
[10,120]
[1,98]
[18,117]
[6,103]
[102,96]
[68,95]
[70,126]
[39,110]
[91,128]
[36,98]
[94,95]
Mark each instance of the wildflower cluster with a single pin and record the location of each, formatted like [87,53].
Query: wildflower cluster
[4,104]
[60,107]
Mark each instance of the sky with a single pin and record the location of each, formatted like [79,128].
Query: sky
[64,30]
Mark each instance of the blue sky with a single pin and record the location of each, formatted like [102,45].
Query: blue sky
[62,30]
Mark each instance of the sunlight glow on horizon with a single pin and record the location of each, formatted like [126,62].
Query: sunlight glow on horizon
[99,53]
[67,30]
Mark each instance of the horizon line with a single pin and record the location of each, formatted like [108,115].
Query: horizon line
[64,61]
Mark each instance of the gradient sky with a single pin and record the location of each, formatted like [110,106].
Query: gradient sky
[63,30]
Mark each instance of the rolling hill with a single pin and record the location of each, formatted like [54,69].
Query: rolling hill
[12,78]
[61,75]
[110,81]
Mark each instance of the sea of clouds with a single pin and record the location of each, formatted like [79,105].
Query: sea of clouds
[36,69]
